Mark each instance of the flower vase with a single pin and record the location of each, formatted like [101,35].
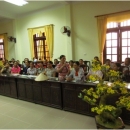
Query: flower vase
[101,124]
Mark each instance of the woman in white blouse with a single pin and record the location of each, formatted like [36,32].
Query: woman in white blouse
[50,71]
[77,74]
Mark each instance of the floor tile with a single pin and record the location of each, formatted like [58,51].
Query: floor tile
[16,124]
[48,122]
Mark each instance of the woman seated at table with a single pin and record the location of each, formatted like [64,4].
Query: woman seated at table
[91,72]
[50,71]
[71,63]
[40,68]
[15,69]
[116,66]
[32,70]
[77,74]
[6,69]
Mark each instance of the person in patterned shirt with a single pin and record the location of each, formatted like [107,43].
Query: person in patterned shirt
[63,68]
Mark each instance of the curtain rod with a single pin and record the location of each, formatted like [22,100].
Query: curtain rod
[40,26]
[113,13]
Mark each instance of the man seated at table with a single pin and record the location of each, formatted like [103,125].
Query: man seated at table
[26,67]
[77,74]
[126,66]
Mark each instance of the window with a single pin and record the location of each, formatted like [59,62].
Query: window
[2,53]
[117,45]
[41,51]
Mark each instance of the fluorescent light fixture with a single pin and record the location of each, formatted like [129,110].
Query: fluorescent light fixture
[17,2]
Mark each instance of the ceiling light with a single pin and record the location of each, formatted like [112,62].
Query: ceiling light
[17,2]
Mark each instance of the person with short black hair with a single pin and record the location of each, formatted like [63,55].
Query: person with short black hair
[32,70]
[97,59]
[50,71]
[126,66]
[108,62]
[40,68]
[56,62]
[116,66]
[26,67]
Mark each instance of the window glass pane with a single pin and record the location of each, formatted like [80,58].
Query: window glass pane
[121,24]
[108,36]
[128,34]
[128,50]
[128,22]
[114,58]
[124,42]
[123,57]
[108,51]
[114,50]
[124,50]
[114,35]
[1,40]
[108,26]
[37,43]
[108,43]
[115,25]
[124,34]
[125,23]
[128,42]
[108,57]
[114,42]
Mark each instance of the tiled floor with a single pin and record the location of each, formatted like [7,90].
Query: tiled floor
[18,114]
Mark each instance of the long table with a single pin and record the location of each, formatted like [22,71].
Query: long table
[61,95]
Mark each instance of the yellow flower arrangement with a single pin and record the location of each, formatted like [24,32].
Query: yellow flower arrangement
[98,96]
[97,66]
[93,78]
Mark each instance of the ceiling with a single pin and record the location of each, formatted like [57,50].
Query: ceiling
[9,11]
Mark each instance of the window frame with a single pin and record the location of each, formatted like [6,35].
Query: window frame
[42,38]
[119,29]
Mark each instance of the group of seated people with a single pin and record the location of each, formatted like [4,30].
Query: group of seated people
[68,71]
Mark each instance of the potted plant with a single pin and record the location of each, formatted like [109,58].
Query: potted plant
[107,100]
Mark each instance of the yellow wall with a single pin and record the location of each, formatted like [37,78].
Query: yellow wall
[80,16]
